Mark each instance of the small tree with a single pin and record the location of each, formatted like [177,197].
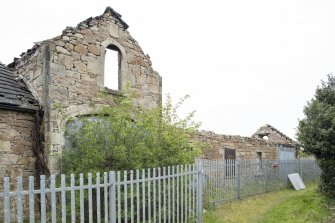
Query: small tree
[127,136]
[316,133]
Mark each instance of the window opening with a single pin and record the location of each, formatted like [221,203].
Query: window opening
[112,68]
[259,160]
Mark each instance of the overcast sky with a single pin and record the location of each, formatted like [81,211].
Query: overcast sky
[244,63]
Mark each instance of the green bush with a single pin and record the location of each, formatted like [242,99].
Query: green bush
[316,133]
[127,136]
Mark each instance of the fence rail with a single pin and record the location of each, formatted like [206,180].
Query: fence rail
[171,194]
[168,194]
[232,179]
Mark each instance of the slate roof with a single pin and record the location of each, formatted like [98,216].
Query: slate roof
[14,94]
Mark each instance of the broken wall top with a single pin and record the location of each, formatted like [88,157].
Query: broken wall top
[76,71]
[86,24]
[273,135]
[210,134]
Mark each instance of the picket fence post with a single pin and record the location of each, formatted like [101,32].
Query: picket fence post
[238,186]
[199,192]
[112,198]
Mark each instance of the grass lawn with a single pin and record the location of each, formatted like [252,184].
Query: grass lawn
[304,206]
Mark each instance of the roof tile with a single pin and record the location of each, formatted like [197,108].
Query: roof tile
[13,91]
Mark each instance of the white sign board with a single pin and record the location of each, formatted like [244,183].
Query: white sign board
[296,181]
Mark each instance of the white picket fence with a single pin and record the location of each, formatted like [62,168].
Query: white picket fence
[172,194]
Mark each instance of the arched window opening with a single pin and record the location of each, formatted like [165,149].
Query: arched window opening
[112,68]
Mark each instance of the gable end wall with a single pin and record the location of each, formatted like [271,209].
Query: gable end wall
[66,74]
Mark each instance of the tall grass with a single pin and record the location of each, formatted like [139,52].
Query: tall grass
[281,206]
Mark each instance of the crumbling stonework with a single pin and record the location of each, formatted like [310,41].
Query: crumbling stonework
[246,148]
[66,74]
[16,145]
[274,135]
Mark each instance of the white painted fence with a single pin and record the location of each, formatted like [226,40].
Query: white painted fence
[172,194]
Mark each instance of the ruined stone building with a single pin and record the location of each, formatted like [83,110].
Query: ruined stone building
[66,77]
[266,143]
[63,78]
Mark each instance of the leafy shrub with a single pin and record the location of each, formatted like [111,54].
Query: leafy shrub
[127,136]
[316,133]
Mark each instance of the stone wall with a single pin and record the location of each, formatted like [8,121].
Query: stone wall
[66,73]
[30,69]
[17,156]
[246,147]
[16,145]
[274,135]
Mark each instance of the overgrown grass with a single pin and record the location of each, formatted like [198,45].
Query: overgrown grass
[305,206]
[282,206]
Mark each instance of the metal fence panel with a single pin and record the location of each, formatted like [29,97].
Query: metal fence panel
[225,180]
[167,194]
[110,197]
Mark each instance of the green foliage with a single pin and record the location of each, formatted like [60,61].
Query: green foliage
[281,206]
[304,206]
[303,154]
[127,136]
[316,133]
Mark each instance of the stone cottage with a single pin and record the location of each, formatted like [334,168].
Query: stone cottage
[66,77]
[266,143]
